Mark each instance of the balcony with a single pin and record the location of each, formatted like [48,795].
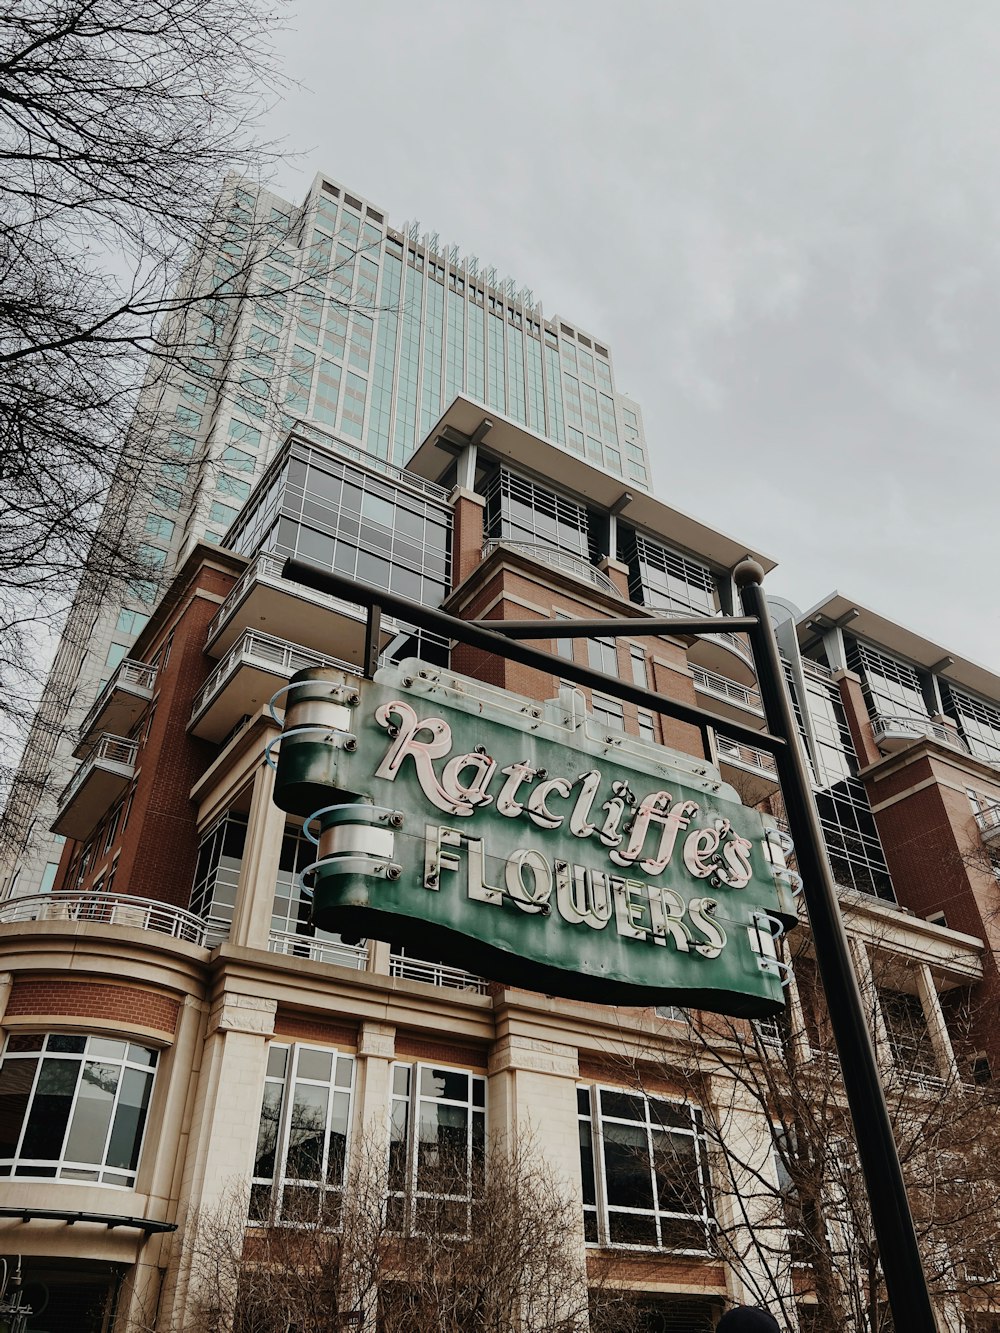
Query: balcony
[104,774]
[729,698]
[895,733]
[747,759]
[577,566]
[106,909]
[319,951]
[120,704]
[723,655]
[264,601]
[436,974]
[988,821]
[247,677]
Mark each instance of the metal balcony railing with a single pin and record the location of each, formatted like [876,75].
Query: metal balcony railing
[263,650]
[106,909]
[267,568]
[884,727]
[577,565]
[337,446]
[731,641]
[436,974]
[721,686]
[107,749]
[988,820]
[746,756]
[318,951]
[129,673]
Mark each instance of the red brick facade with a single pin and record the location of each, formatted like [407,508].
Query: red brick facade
[102,1001]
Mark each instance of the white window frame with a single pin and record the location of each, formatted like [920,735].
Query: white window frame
[603,1210]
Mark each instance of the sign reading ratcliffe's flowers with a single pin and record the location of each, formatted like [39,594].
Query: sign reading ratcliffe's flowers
[520,841]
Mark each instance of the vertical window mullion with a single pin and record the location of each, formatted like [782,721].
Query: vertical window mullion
[284,1129]
[30,1103]
[600,1175]
[654,1192]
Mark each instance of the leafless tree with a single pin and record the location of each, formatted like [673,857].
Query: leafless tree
[506,1258]
[792,1214]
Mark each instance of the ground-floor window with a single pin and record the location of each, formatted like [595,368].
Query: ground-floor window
[73,1107]
[645,1171]
[301,1155]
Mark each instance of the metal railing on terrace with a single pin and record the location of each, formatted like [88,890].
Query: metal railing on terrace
[577,565]
[263,650]
[712,683]
[268,568]
[883,726]
[107,748]
[436,974]
[746,756]
[988,819]
[129,672]
[106,909]
[335,446]
[724,636]
[318,951]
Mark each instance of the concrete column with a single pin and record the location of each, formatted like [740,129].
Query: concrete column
[531,1105]
[869,994]
[223,1136]
[255,894]
[936,1026]
[746,1200]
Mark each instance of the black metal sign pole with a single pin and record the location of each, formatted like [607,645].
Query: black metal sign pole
[909,1298]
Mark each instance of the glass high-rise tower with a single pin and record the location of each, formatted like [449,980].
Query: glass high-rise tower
[323,312]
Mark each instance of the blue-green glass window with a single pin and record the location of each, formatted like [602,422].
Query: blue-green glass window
[237,459]
[191,420]
[591,412]
[176,472]
[404,435]
[342,277]
[227,485]
[609,426]
[454,370]
[553,390]
[385,355]
[166,495]
[327,393]
[117,653]
[221,514]
[152,555]
[156,526]
[604,375]
[567,351]
[574,438]
[361,342]
[495,367]
[433,342]
[574,408]
[476,375]
[130,622]
[300,382]
[335,331]
[310,317]
[248,435]
[197,393]
[535,394]
[515,375]
[355,394]
[326,216]
[181,444]
[367,280]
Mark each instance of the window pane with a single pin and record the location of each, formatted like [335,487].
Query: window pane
[308,1131]
[626,1165]
[16,1078]
[130,1119]
[92,1115]
[43,1137]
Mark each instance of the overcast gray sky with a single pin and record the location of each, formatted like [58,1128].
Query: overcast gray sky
[782,215]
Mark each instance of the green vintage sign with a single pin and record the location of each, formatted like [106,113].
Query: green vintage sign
[518,840]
